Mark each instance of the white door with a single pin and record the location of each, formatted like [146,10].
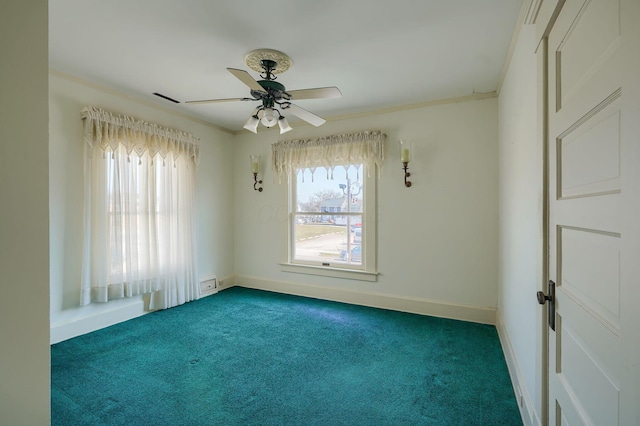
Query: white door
[592,373]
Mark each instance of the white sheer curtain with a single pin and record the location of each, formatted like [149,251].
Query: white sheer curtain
[329,152]
[139,211]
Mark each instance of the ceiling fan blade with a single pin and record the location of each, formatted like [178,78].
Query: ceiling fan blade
[246,78]
[307,116]
[210,101]
[317,93]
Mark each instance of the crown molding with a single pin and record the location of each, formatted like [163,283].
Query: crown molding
[136,99]
[528,14]
[473,97]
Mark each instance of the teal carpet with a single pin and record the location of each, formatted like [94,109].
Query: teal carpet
[248,357]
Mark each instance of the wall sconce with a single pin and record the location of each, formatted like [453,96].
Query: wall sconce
[255,168]
[405,157]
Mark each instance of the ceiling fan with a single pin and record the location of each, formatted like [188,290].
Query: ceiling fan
[272,95]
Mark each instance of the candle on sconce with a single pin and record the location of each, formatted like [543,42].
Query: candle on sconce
[404,156]
[255,163]
[405,150]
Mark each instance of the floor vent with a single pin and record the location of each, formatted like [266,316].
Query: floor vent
[208,285]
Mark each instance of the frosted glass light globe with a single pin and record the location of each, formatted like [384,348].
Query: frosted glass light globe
[269,118]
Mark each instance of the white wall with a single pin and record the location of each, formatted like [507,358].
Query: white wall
[437,241]
[214,198]
[520,228]
[465,239]
[24,214]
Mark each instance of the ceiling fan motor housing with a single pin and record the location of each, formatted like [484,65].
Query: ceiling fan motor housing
[274,92]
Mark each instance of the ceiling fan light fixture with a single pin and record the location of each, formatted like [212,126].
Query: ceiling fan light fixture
[284,125]
[252,124]
[269,118]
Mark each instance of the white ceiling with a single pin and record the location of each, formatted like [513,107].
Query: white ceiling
[380,54]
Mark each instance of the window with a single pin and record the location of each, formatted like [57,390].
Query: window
[143,220]
[331,227]
[327,218]
[139,211]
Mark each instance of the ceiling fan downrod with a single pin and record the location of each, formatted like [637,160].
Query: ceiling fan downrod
[274,92]
[268,66]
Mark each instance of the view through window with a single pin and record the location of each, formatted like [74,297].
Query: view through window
[328,217]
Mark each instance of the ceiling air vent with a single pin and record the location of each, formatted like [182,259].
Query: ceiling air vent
[160,95]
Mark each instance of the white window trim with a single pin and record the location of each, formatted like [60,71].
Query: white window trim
[326,271]
[369,270]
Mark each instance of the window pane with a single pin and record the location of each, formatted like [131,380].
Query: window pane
[328,217]
[332,241]
[320,193]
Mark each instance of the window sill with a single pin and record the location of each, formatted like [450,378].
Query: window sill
[324,271]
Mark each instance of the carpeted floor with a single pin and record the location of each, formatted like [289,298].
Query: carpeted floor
[248,357]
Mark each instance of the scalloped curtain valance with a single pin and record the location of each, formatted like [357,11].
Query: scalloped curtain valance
[365,147]
[109,131]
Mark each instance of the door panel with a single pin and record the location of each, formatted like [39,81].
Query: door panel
[590,259]
[588,42]
[582,376]
[584,231]
[585,43]
[589,155]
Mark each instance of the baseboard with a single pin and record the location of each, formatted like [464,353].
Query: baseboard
[82,320]
[79,325]
[226,282]
[88,323]
[375,300]
[525,404]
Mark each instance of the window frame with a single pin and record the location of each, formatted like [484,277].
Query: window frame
[368,270]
